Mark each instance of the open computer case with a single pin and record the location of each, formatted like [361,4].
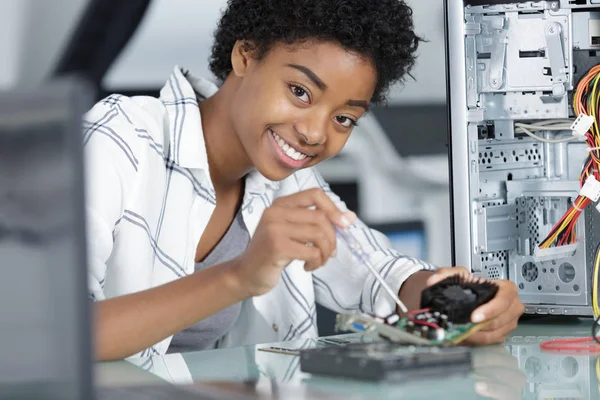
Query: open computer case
[524,98]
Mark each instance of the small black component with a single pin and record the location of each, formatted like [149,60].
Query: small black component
[387,361]
[410,327]
[486,131]
[444,321]
[424,332]
[458,296]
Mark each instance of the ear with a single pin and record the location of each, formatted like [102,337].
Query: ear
[242,57]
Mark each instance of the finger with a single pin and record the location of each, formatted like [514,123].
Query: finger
[507,292]
[511,315]
[317,198]
[484,338]
[313,234]
[318,219]
[444,273]
[299,251]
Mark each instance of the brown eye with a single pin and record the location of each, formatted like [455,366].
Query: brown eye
[300,93]
[345,121]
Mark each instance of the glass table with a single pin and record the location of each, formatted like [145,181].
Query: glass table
[517,369]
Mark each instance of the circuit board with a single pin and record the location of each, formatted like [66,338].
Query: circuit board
[443,319]
[421,328]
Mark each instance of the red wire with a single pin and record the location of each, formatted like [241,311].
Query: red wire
[422,310]
[557,345]
[419,322]
[429,324]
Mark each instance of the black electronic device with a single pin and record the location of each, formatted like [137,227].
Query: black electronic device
[386,362]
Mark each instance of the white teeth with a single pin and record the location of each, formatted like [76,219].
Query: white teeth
[288,149]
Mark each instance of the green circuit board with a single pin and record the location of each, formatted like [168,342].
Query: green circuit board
[451,333]
[405,330]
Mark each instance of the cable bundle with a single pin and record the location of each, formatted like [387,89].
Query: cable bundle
[585,101]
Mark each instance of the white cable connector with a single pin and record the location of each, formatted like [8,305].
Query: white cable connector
[552,253]
[591,189]
[582,125]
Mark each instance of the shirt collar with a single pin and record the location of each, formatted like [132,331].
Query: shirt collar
[179,95]
[187,146]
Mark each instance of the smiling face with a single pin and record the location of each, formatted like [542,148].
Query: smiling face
[297,106]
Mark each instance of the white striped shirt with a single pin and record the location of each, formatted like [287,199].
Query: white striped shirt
[149,198]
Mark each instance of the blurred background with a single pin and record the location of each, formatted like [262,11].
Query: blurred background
[394,170]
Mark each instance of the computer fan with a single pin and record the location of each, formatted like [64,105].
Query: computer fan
[444,317]
[458,296]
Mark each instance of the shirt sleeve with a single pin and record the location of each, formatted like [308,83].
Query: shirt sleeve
[111,167]
[343,284]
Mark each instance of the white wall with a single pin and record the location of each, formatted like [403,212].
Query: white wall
[174,32]
[49,24]
[34,32]
[12,32]
[180,32]
[430,70]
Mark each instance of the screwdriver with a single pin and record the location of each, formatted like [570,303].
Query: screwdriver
[362,257]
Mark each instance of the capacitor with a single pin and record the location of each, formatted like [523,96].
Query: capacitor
[392,319]
[410,327]
[421,317]
[437,334]
[432,321]
[444,321]
[424,332]
[436,314]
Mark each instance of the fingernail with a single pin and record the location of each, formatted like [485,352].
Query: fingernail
[334,253]
[345,222]
[351,216]
[478,317]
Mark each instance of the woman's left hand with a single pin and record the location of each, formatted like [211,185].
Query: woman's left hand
[502,312]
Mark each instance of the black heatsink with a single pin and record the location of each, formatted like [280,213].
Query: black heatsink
[458,296]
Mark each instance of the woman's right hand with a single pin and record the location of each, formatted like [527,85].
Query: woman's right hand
[295,227]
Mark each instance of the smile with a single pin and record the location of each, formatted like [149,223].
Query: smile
[287,149]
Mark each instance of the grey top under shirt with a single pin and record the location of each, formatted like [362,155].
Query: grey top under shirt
[205,334]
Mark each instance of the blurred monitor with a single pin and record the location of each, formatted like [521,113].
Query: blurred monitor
[44,328]
[406,237]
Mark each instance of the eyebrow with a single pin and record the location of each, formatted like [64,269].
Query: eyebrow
[321,85]
[358,103]
[310,74]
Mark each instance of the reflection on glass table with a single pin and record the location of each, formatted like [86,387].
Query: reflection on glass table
[519,369]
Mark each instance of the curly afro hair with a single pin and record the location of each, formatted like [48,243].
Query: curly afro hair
[381,30]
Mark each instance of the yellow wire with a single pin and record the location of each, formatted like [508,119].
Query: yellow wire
[583,95]
[474,329]
[593,105]
[598,371]
[595,304]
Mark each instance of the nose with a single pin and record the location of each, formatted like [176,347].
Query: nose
[312,132]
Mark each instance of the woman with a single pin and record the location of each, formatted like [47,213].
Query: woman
[208,226]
